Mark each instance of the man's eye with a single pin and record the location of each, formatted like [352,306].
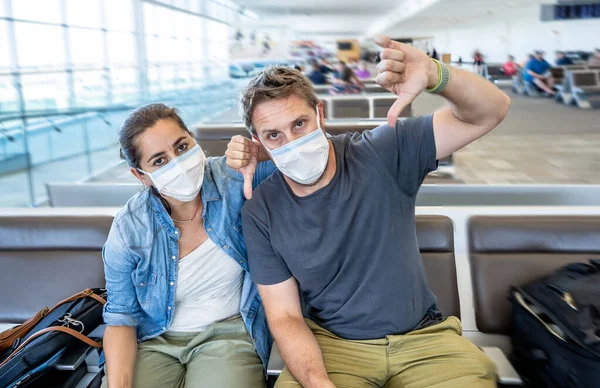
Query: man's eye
[272,136]
[182,147]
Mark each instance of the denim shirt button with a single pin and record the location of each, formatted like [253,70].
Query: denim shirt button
[142,284]
[164,328]
[176,232]
[169,308]
[209,229]
[173,257]
[172,283]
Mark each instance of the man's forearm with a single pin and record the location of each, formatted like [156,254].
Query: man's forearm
[300,352]
[475,100]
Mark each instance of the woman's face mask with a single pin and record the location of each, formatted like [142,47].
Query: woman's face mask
[182,177]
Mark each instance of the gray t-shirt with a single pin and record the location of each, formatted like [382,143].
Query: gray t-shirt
[352,245]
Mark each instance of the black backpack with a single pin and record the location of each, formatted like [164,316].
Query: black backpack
[35,351]
[556,328]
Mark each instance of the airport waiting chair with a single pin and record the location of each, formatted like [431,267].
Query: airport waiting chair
[583,84]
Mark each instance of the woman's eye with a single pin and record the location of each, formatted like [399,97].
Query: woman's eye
[182,147]
[300,124]
[159,162]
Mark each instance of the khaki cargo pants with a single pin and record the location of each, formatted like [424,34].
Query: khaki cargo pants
[222,356]
[434,357]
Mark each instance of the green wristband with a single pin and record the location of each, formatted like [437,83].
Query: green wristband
[443,78]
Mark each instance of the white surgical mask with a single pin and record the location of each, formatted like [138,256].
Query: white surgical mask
[304,159]
[182,177]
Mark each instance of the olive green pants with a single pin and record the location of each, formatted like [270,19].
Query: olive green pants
[221,356]
[433,357]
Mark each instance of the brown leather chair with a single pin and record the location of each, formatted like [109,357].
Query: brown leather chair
[435,235]
[46,259]
[513,250]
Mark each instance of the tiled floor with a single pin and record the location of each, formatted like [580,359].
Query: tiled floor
[540,141]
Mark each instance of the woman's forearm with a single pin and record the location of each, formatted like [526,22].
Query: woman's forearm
[120,349]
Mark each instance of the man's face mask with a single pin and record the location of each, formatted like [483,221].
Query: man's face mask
[182,177]
[304,159]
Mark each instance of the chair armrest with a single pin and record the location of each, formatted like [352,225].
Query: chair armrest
[507,375]
[275,362]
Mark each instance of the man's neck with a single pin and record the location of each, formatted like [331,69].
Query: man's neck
[326,178]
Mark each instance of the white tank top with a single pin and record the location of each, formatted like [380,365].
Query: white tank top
[209,288]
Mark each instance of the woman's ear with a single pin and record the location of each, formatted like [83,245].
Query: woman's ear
[141,177]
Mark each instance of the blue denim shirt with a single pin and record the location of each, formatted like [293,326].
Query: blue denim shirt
[142,251]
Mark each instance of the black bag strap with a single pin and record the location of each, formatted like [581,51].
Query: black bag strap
[52,329]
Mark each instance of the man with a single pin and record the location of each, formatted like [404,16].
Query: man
[315,75]
[562,59]
[336,224]
[537,72]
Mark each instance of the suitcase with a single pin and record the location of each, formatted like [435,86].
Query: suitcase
[555,328]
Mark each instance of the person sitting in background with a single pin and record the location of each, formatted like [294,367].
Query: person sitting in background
[524,63]
[478,62]
[562,59]
[315,75]
[345,81]
[537,72]
[595,58]
[325,67]
[510,67]
[362,71]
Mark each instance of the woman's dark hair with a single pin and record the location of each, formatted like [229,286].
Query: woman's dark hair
[136,123]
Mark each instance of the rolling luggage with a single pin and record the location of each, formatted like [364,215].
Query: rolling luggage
[556,328]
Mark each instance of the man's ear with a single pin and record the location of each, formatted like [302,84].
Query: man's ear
[321,114]
[141,177]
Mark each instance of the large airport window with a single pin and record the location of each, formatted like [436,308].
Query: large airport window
[84,13]
[45,91]
[121,48]
[39,46]
[86,47]
[90,88]
[48,11]
[4,47]
[119,15]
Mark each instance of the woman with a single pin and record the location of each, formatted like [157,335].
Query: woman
[362,72]
[181,308]
[345,81]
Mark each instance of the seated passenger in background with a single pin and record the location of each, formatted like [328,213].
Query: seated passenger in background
[510,67]
[181,307]
[362,71]
[595,58]
[315,75]
[524,63]
[337,222]
[562,59]
[325,66]
[344,81]
[537,72]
